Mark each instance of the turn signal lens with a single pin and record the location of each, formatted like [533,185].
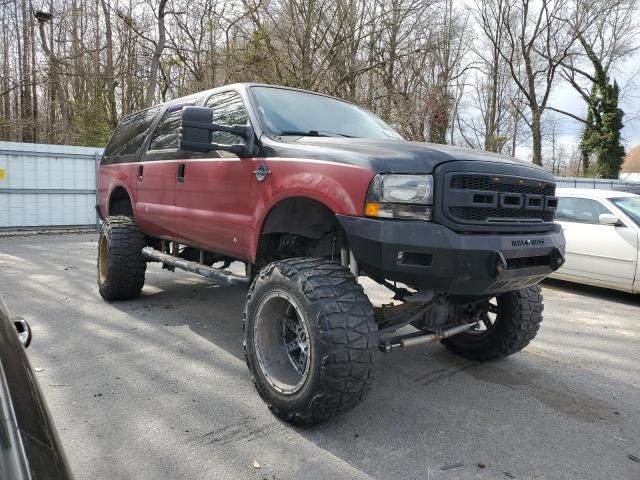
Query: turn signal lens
[398,210]
[372,209]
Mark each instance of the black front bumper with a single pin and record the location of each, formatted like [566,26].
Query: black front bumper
[427,255]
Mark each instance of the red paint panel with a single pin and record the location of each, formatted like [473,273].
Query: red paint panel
[155,197]
[112,176]
[341,187]
[221,206]
[212,205]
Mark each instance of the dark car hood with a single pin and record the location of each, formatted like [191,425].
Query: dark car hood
[384,156]
[40,439]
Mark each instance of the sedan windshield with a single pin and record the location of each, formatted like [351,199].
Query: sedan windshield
[291,112]
[630,206]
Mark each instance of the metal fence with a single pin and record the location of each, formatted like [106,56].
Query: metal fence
[47,185]
[597,183]
[55,185]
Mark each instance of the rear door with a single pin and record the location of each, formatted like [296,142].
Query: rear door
[605,253]
[149,197]
[212,193]
[121,159]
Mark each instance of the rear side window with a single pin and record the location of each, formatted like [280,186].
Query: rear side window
[228,109]
[581,210]
[129,136]
[166,133]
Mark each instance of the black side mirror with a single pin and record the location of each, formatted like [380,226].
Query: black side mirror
[195,133]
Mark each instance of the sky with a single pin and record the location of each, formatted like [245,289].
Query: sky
[564,97]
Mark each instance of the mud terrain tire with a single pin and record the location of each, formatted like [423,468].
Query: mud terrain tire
[517,322]
[335,317]
[121,265]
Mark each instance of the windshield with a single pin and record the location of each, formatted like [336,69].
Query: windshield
[630,206]
[290,112]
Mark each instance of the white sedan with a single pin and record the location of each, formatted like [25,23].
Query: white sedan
[602,229]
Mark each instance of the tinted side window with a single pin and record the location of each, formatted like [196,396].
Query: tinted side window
[582,210]
[129,136]
[166,133]
[228,110]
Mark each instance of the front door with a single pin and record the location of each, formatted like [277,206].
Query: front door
[605,253]
[156,177]
[212,194]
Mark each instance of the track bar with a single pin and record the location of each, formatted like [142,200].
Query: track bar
[411,340]
[223,277]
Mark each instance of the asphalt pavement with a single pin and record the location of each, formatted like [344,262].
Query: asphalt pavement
[157,388]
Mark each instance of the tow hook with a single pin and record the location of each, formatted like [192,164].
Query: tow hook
[557,259]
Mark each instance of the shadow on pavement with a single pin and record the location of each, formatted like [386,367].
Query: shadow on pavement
[427,408]
[600,293]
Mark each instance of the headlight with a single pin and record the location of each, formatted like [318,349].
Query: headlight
[400,196]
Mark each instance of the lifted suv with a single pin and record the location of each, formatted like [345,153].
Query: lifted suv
[311,192]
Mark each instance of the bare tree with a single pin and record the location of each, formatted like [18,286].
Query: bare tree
[159,45]
[607,32]
[536,44]
[54,73]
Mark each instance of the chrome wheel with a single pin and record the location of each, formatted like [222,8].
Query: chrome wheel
[281,342]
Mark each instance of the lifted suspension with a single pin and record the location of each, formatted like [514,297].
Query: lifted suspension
[419,338]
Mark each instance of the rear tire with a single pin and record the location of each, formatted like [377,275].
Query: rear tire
[310,340]
[517,322]
[121,265]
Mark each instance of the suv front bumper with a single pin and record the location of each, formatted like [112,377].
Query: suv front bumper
[426,255]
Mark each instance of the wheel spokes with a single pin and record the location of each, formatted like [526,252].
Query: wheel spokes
[292,346]
[291,323]
[486,321]
[295,340]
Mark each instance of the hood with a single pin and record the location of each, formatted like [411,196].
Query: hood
[383,156]
[39,437]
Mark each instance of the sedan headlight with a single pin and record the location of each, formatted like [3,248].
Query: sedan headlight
[400,196]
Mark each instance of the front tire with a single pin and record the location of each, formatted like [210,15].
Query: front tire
[121,265]
[517,320]
[310,339]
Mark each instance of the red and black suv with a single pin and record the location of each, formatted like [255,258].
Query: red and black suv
[311,192]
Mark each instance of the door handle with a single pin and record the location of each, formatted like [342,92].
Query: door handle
[140,171]
[181,167]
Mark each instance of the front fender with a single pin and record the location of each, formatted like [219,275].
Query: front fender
[342,188]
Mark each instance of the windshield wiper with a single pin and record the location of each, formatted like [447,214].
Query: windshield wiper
[314,133]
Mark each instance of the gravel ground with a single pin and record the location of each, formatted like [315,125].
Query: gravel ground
[157,387]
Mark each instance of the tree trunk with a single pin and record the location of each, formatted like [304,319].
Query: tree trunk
[536,135]
[26,103]
[54,78]
[155,58]
[108,74]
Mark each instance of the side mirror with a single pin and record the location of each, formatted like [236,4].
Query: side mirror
[24,331]
[195,133]
[609,219]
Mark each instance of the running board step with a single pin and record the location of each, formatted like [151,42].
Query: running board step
[223,277]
